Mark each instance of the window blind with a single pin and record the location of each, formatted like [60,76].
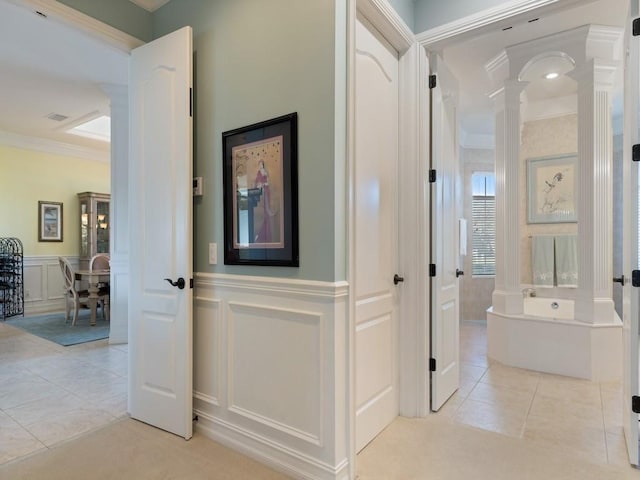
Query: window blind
[483,213]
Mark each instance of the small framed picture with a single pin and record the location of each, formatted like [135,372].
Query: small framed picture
[551,185]
[260,180]
[49,221]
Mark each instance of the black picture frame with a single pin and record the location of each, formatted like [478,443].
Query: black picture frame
[260,187]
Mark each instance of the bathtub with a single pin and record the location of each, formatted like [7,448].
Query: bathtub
[556,309]
[547,338]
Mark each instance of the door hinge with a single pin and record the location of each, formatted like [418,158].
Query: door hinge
[432,81]
[191,102]
[432,364]
[191,283]
[432,269]
[635,404]
[635,278]
[636,27]
[432,176]
[635,153]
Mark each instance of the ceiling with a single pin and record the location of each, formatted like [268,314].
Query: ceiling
[48,68]
[467,59]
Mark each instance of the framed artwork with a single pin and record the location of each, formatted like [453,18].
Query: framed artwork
[551,188]
[260,183]
[49,221]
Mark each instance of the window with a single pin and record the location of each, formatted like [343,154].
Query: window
[483,217]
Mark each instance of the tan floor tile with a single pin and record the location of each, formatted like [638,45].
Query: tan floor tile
[581,392]
[564,411]
[510,377]
[471,372]
[69,425]
[617,450]
[502,397]
[571,438]
[494,418]
[15,441]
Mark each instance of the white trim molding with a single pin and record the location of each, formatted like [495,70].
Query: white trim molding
[491,18]
[382,15]
[95,28]
[271,363]
[52,146]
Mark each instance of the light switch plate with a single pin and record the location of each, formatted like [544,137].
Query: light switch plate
[213,253]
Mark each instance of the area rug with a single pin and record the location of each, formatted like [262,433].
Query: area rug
[54,328]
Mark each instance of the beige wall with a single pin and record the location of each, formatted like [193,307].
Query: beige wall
[543,138]
[27,176]
[475,293]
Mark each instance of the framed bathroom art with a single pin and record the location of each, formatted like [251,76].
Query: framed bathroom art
[260,184]
[551,189]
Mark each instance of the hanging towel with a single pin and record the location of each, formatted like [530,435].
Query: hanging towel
[462,231]
[542,260]
[567,260]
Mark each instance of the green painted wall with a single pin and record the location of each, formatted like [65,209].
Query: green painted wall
[406,10]
[121,14]
[433,13]
[256,60]
[27,176]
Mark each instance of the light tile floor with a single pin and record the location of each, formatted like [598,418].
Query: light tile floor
[576,416]
[50,394]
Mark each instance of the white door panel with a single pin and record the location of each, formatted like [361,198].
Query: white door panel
[444,237]
[631,295]
[375,197]
[160,315]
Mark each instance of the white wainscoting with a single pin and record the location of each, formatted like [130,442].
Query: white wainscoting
[43,284]
[270,370]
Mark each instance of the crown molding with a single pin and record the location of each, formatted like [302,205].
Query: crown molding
[485,18]
[95,28]
[46,145]
[389,22]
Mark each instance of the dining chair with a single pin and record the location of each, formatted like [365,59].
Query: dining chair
[72,296]
[102,261]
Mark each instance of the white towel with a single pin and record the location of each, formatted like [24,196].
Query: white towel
[462,230]
[567,260]
[542,260]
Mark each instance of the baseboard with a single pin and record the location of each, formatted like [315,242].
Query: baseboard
[278,457]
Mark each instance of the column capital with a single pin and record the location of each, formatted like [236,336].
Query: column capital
[508,96]
[596,74]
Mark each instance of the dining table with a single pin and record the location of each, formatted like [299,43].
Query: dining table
[94,278]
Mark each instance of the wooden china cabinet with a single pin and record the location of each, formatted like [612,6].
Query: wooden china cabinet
[95,223]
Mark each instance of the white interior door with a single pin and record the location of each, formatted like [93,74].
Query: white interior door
[631,294]
[445,317]
[375,197]
[160,315]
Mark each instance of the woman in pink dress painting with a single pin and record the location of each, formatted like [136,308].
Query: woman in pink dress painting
[262,181]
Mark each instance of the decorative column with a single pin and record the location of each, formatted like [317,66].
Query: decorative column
[119,212]
[507,296]
[594,303]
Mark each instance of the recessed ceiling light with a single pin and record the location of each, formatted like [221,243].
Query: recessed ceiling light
[551,75]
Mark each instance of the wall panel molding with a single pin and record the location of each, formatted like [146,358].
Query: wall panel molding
[43,284]
[270,356]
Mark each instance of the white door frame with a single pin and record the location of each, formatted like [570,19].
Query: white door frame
[118,236]
[380,14]
[430,41]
